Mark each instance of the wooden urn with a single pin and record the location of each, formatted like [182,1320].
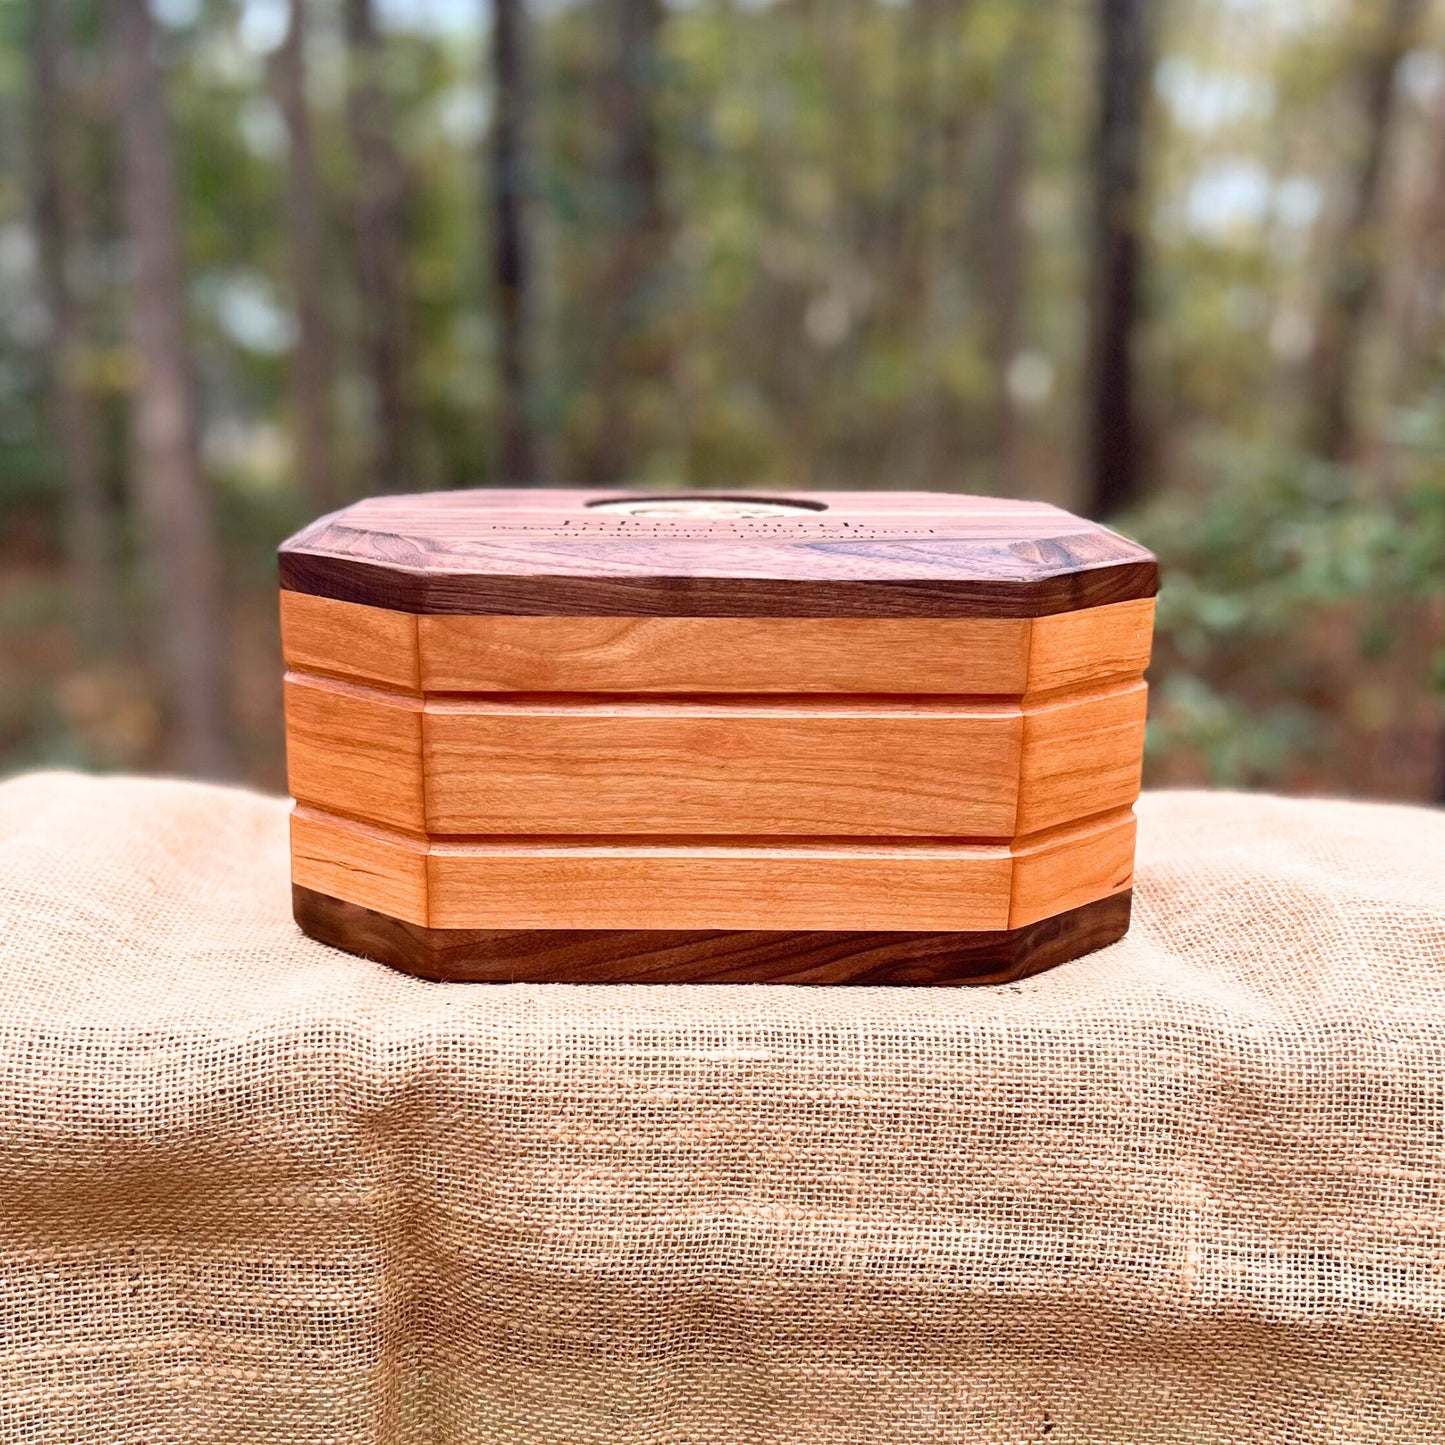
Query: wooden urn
[578,736]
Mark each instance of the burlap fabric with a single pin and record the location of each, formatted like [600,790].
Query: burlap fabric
[1189,1189]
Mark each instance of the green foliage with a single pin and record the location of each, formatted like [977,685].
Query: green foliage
[1282,576]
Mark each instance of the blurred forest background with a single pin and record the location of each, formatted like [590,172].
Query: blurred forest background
[1179,264]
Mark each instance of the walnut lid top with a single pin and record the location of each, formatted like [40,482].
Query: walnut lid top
[797,554]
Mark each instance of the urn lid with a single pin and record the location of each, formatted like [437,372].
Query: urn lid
[547,552]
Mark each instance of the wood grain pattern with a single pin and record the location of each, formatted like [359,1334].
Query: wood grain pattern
[977,656]
[697,956]
[1081,755]
[350,860]
[886,738]
[724,766]
[706,883]
[1078,649]
[960,656]
[344,639]
[631,884]
[856,555]
[1068,867]
[355,750]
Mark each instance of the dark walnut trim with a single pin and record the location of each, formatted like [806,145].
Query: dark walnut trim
[553,553]
[346,579]
[653,956]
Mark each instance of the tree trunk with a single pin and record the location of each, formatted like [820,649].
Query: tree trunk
[60,225]
[311,360]
[1006,240]
[181,555]
[1354,273]
[511,252]
[1113,472]
[380,203]
[633,353]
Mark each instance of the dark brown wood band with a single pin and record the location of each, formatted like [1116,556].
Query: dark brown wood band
[462,955]
[350,579]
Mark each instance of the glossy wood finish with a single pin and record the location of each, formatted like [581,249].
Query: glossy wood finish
[737,766]
[356,750]
[368,645]
[607,956]
[682,883]
[722,765]
[844,555]
[880,739]
[1079,753]
[975,656]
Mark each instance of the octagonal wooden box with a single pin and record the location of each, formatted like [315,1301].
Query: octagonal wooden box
[582,736]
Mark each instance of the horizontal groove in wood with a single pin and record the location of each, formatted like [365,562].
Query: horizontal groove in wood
[631,769]
[1081,755]
[720,705]
[973,657]
[732,766]
[359,864]
[746,843]
[1067,867]
[777,844]
[866,885]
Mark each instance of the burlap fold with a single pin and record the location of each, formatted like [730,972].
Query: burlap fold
[1188,1189]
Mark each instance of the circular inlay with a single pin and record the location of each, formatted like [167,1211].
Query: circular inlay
[706,506]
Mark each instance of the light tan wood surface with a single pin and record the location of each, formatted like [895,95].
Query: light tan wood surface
[1066,867]
[629,883]
[724,654]
[958,656]
[360,864]
[1076,649]
[742,886]
[355,751]
[729,766]
[740,767]
[598,773]
[1081,755]
[870,884]
[368,644]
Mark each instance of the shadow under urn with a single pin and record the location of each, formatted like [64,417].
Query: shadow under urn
[581,736]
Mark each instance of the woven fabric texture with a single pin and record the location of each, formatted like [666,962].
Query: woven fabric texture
[1191,1188]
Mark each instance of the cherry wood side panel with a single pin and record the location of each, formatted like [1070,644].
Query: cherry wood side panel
[1067,867]
[359,864]
[797,766]
[369,644]
[977,656]
[1081,756]
[719,767]
[1076,649]
[958,656]
[602,956]
[355,751]
[629,884]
